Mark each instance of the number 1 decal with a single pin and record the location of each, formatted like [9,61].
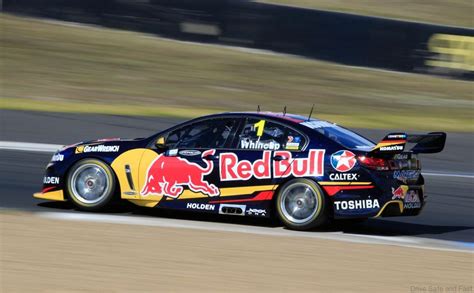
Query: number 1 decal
[260,125]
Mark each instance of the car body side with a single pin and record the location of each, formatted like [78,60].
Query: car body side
[356,193]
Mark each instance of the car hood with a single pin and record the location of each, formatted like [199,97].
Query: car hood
[104,141]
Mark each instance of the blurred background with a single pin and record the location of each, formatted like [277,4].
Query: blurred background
[412,70]
[74,70]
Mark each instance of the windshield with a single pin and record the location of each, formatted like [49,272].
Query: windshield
[341,135]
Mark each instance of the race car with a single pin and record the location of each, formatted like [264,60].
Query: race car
[303,170]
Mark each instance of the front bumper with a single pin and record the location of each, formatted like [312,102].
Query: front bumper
[57,195]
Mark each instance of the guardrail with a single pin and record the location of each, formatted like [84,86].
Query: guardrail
[331,36]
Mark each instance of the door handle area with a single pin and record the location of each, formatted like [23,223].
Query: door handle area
[279,158]
[211,158]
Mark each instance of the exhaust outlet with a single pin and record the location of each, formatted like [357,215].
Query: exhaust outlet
[232,209]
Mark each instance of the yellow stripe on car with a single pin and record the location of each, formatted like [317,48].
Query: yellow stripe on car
[323,183]
[52,195]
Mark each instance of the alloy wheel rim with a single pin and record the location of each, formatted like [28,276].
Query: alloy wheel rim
[299,203]
[89,183]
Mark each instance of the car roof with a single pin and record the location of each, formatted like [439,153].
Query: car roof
[294,118]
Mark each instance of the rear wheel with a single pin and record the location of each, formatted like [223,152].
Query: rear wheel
[301,205]
[91,185]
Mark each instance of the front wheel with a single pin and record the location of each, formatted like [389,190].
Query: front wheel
[91,184]
[301,205]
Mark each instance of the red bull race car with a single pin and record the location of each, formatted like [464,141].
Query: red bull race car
[303,170]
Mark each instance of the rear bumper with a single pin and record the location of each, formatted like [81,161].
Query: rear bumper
[405,200]
[57,195]
[395,208]
[403,207]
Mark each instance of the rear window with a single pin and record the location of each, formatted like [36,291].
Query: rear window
[341,135]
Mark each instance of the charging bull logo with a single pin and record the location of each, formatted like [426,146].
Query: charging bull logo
[400,192]
[167,176]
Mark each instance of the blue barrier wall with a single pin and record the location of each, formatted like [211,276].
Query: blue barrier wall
[331,36]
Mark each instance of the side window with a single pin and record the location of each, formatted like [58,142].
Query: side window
[215,133]
[266,135]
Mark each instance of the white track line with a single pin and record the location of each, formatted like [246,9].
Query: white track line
[448,175]
[29,147]
[403,241]
[51,148]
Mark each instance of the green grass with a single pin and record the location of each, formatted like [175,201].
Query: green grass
[53,67]
[446,12]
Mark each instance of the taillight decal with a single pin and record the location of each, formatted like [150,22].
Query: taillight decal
[374,163]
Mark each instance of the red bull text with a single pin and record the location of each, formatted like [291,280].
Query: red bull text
[232,169]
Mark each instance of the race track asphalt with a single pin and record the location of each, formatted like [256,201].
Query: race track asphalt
[448,214]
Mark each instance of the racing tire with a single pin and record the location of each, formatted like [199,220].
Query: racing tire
[301,205]
[91,185]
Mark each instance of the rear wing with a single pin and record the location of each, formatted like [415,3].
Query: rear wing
[394,143]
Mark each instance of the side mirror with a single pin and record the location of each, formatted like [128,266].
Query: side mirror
[160,143]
